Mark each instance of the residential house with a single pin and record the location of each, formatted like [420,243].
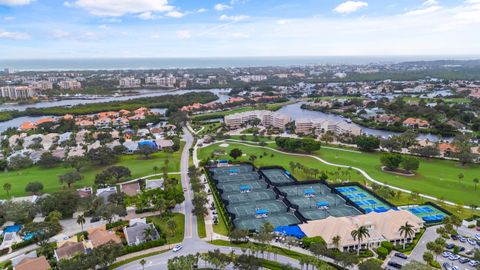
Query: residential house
[415,122]
[69,250]
[39,263]
[135,232]
[100,236]
[162,143]
[131,188]
[106,192]
[131,146]
[154,184]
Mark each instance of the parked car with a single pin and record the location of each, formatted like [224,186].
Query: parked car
[450,246]
[447,266]
[394,265]
[471,241]
[463,260]
[446,254]
[177,248]
[95,219]
[462,239]
[401,255]
[473,263]
[454,237]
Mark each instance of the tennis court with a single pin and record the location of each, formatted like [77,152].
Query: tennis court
[256,195]
[299,190]
[248,209]
[257,223]
[277,176]
[363,199]
[428,213]
[230,187]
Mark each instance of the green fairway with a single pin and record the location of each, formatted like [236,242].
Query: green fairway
[49,177]
[435,177]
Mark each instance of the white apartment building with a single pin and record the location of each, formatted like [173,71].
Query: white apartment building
[42,85]
[161,81]
[267,118]
[252,78]
[17,92]
[322,126]
[70,85]
[129,82]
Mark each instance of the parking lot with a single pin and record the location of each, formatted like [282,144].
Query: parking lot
[430,235]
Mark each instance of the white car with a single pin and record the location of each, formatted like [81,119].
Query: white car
[477,236]
[473,263]
[471,241]
[446,254]
[177,248]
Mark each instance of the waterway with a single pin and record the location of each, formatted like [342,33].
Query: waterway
[221,93]
[297,113]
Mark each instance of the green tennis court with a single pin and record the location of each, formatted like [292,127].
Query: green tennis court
[256,195]
[247,176]
[299,190]
[275,219]
[230,187]
[248,209]
[336,211]
[277,176]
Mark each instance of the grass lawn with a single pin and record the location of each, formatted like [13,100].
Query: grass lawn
[271,107]
[49,177]
[201,230]
[179,228]
[435,177]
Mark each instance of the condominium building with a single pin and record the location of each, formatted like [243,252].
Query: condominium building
[319,126]
[41,85]
[17,92]
[70,85]
[267,118]
[252,78]
[161,81]
[129,82]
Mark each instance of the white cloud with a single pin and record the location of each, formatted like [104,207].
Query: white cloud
[104,27]
[423,11]
[14,2]
[283,22]
[14,35]
[430,3]
[59,33]
[184,34]
[202,10]
[221,7]
[233,18]
[116,8]
[175,14]
[147,15]
[350,6]
[9,18]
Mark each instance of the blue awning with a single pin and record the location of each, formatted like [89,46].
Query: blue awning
[309,191]
[287,173]
[290,231]
[234,171]
[222,161]
[261,212]
[245,187]
[322,204]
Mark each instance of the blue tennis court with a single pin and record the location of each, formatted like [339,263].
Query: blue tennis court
[429,213]
[363,199]
[277,176]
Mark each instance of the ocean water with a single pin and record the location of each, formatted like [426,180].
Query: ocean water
[170,63]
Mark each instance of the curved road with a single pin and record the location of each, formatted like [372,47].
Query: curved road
[192,244]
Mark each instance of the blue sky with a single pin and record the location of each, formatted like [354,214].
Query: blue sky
[205,28]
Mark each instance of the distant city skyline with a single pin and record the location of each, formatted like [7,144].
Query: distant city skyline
[47,29]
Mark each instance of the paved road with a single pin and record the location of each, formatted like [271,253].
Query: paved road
[190,219]
[191,246]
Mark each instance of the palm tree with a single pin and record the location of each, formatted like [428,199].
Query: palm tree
[336,241]
[407,232]
[81,221]
[149,233]
[460,177]
[359,234]
[142,263]
[475,181]
[171,226]
[7,187]
[155,169]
